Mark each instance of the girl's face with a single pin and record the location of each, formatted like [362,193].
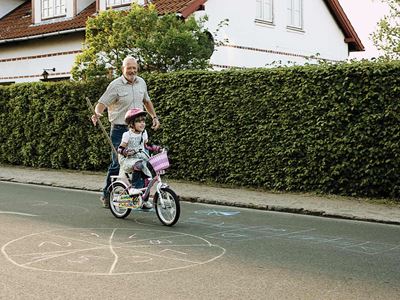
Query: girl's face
[139,124]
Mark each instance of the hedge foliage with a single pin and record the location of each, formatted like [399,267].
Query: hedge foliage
[331,129]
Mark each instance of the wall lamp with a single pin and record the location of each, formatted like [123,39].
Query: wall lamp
[45,74]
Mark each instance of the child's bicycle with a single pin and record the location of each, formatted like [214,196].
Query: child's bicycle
[165,200]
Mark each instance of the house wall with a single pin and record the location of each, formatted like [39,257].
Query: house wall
[9,5]
[274,42]
[25,61]
[250,44]
[82,4]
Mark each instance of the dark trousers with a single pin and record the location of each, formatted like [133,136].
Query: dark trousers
[116,133]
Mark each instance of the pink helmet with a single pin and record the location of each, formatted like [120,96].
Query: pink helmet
[133,113]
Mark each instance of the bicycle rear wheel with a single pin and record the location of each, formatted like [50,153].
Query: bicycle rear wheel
[118,189]
[167,206]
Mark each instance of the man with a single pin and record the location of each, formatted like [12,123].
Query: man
[125,92]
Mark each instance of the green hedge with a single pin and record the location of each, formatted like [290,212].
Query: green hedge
[331,129]
[47,125]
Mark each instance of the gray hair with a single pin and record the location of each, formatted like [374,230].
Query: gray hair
[126,59]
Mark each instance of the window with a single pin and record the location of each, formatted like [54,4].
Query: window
[264,10]
[117,2]
[295,13]
[53,8]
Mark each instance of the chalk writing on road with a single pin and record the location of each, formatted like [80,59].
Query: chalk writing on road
[110,251]
[245,232]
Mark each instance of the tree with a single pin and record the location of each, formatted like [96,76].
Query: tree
[160,43]
[387,36]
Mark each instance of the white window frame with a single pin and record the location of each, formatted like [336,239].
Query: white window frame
[112,3]
[295,14]
[265,11]
[52,9]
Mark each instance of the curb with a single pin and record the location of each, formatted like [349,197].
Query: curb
[301,211]
[274,208]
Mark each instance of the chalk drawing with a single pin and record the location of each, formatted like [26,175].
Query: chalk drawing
[217,213]
[54,243]
[81,259]
[170,250]
[17,213]
[110,251]
[40,203]
[244,232]
[159,242]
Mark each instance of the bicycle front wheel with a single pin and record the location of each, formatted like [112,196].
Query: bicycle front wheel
[166,204]
[118,190]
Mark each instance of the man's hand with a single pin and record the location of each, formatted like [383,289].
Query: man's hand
[95,118]
[156,123]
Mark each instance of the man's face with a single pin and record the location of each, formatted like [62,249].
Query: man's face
[130,70]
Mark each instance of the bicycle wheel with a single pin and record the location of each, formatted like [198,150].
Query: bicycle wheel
[167,206]
[118,189]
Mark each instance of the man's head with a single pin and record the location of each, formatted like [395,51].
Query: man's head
[130,68]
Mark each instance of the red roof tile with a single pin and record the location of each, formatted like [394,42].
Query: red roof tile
[18,23]
[185,7]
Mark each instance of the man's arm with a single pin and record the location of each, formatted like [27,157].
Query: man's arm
[150,109]
[99,109]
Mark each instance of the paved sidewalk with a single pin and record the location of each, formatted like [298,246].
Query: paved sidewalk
[332,206]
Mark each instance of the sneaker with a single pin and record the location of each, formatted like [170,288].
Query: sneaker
[104,201]
[147,205]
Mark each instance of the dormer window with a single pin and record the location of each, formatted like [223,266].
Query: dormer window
[53,8]
[111,3]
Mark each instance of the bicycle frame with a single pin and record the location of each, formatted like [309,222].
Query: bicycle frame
[165,200]
[125,180]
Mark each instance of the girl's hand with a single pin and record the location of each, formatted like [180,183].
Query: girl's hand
[129,152]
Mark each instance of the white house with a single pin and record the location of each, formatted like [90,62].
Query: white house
[44,36]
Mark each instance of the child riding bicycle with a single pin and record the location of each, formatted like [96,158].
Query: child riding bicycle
[133,158]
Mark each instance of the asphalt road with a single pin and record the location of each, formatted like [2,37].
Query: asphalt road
[60,244]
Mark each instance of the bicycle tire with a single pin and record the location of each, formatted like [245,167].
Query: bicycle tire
[170,212]
[118,189]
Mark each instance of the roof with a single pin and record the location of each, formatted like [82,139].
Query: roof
[184,7]
[351,37]
[18,23]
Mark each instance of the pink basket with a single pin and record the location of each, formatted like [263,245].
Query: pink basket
[160,161]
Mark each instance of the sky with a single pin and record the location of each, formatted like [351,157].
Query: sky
[364,15]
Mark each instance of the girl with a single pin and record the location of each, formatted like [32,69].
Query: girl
[131,150]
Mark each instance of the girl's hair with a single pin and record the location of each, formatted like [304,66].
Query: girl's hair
[133,121]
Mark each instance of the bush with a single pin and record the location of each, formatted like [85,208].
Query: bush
[331,129]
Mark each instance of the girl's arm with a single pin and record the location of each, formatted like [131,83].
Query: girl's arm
[123,150]
[152,148]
